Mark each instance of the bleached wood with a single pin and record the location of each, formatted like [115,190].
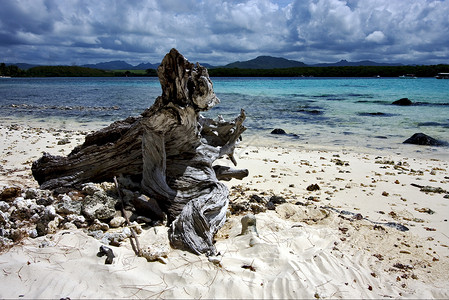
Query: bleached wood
[170,149]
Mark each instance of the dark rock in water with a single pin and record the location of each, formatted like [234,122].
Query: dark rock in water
[430,124]
[375,114]
[278,131]
[423,139]
[403,102]
[434,124]
[311,111]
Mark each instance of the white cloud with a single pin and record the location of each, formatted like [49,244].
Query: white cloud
[351,27]
[376,37]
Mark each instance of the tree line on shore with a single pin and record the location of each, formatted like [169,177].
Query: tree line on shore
[69,71]
[347,71]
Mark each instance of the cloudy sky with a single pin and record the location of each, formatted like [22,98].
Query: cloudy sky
[220,32]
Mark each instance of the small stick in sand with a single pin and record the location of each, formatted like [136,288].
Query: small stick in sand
[136,247]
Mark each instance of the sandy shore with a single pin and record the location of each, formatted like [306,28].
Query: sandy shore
[331,239]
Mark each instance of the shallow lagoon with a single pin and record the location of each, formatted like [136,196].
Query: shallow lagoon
[324,112]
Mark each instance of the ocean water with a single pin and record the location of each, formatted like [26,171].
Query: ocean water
[326,112]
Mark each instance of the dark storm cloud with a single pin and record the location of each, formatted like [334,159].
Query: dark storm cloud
[34,17]
[218,32]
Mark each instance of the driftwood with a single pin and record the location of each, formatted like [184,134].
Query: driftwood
[169,150]
[136,245]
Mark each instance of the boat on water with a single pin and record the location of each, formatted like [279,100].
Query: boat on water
[442,76]
[5,76]
[408,76]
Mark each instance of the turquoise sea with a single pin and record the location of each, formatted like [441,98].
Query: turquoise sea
[329,112]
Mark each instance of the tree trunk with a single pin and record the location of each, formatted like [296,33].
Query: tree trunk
[170,149]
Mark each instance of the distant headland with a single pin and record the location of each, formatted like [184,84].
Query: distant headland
[261,66]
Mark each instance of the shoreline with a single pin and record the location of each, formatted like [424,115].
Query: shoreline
[261,139]
[399,149]
[302,250]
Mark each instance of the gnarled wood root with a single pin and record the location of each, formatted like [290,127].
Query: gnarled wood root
[169,149]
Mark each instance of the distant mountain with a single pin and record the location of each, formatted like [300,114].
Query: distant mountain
[266,62]
[208,66]
[23,66]
[145,66]
[111,65]
[345,63]
[121,65]
[269,62]
[260,62]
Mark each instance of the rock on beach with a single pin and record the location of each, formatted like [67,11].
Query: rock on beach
[423,139]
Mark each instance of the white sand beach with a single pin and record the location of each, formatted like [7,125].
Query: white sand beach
[332,238]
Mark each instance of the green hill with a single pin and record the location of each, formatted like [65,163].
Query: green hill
[266,62]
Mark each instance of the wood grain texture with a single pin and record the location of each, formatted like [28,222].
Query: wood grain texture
[170,149]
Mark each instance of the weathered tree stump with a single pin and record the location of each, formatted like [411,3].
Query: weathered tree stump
[169,149]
